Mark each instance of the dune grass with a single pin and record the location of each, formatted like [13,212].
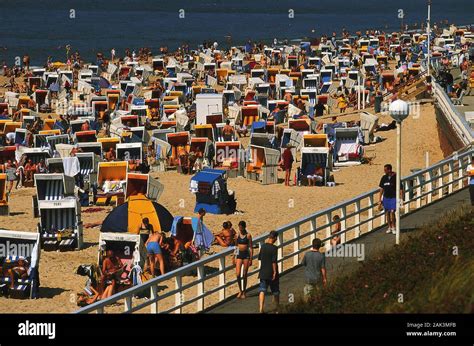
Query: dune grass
[430,272]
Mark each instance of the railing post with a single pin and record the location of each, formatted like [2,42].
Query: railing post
[128,304]
[406,196]
[451,177]
[280,252]
[357,219]
[313,230]
[429,187]
[460,174]
[440,182]
[100,310]
[154,295]
[418,191]
[343,224]
[200,288]
[222,292]
[179,295]
[296,245]
[370,224]
[328,231]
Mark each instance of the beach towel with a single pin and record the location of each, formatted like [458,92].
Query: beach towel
[203,237]
[71,166]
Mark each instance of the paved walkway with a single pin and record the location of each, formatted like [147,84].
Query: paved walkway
[376,241]
[468,100]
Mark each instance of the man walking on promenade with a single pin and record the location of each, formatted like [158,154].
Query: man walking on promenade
[388,196]
[314,263]
[268,275]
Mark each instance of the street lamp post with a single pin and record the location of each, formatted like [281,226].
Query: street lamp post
[398,110]
[428,31]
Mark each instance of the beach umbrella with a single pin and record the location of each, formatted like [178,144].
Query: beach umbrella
[128,216]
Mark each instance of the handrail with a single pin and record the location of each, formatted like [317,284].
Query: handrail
[452,114]
[431,184]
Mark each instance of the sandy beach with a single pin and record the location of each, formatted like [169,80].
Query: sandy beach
[263,207]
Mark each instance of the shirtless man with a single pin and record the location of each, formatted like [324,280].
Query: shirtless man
[110,155]
[154,252]
[110,267]
[20,271]
[226,237]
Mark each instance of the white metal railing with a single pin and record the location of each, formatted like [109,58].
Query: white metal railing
[202,284]
[452,115]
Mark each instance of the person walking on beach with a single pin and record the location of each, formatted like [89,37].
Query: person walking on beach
[314,263]
[268,273]
[388,196]
[286,163]
[243,258]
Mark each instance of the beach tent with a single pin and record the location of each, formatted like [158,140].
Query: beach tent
[207,104]
[111,179]
[368,123]
[88,163]
[263,165]
[249,114]
[7,153]
[293,138]
[205,130]
[90,147]
[143,184]
[129,151]
[4,209]
[266,140]
[330,129]
[53,187]
[187,230]
[131,251]
[55,165]
[210,188]
[310,157]
[85,136]
[20,245]
[108,143]
[34,154]
[303,126]
[128,217]
[347,149]
[203,143]
[60,225]
[161,133]
[176,141]
[315,141]
[230,157]
[162,152]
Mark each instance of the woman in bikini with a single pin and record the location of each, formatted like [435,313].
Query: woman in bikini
[243,258]
[155,254]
